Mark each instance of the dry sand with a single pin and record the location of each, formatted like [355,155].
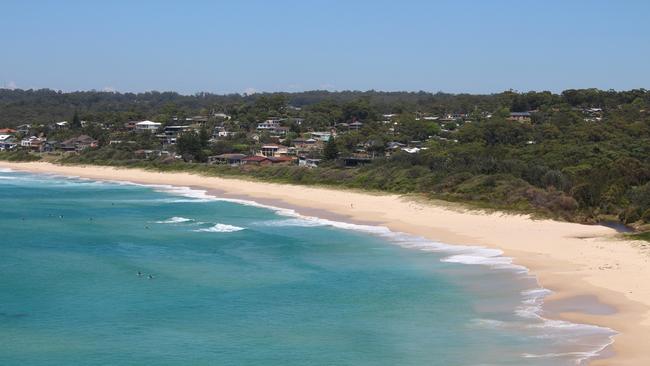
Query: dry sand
[597,277]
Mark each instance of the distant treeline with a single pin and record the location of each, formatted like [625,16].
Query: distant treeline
[46,106]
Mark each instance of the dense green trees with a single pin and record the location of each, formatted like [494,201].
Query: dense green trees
[331,151]
[192,146]
[76,121]
[411,129]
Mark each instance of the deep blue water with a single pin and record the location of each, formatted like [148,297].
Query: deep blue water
[238,284]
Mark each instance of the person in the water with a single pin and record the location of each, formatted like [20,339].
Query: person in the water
[139,274]
[151,277]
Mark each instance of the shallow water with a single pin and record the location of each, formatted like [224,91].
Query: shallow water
[234,283]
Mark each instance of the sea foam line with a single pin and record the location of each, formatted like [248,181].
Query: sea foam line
[533,299]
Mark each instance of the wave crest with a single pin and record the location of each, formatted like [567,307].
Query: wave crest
[220,228]
[174,220]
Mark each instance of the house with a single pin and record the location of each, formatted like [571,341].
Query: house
[413,150]
[61,125]
[32,143]
[395,145]
[321,136]
[305,143]
[200,120]
[520,116]
[171,133]
[49,146]
[7,138]
[220,132]
[147,126]
[273,126]
[355,126]
[221,116]
[274,150]
[23,129]
[230,159]
[256,160]
[130,126]
[281,160]
[269,124]
[7,131]
[307,162]
[78,143]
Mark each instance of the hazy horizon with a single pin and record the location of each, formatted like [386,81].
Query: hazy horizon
[455,47]
[306,91]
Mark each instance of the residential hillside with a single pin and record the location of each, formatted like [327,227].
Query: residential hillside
[581,155]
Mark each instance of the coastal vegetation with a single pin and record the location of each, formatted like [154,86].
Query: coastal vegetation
[581,155]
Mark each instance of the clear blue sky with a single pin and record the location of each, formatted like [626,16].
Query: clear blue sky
[234,46]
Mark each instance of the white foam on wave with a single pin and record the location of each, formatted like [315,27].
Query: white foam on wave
[488,323]
[580,357]
[5,170]
[531,308]
[290,222]
[464,254]
[220,228]
[174,220]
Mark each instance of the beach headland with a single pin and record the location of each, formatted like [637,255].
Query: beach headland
[596,276]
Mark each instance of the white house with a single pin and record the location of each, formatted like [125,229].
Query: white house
[221,115]
[32,142]
[307,162]
[273,126]
[269,124]
[321,136]
[147,126]
[6,138]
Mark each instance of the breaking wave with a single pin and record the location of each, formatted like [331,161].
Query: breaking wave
[220,228]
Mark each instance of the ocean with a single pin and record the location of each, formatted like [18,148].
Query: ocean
[108,273]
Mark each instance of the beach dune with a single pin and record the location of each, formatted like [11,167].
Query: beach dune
[596,276]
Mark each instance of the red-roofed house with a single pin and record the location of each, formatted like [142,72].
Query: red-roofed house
[256,160]
[281,160]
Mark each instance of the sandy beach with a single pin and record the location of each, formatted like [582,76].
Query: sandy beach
[596,277]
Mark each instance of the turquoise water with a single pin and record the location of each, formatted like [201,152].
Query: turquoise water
[234,283]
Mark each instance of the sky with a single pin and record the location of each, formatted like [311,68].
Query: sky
[283,45]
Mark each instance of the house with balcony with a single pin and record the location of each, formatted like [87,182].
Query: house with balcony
[32,143]
[147,126]
[227,159]
[78,143]
[275,150]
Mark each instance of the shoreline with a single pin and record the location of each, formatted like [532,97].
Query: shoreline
[595,277]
